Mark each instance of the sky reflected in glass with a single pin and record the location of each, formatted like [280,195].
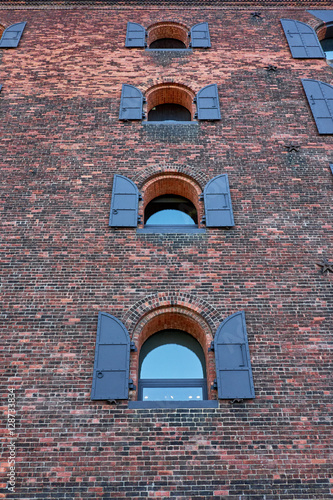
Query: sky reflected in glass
[170,217]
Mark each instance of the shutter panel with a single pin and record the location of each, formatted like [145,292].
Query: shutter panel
[331,167]
[135,35]
[0,87]
[324,15]
[302,39]
[218,208]
[200,36]
[12,35]
[320,98]
[131,103]
[124,203]
[208,106]
[232,357]
[112,355]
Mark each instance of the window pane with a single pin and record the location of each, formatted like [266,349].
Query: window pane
[327,45]
[171,210]
[170,218]
[172,394]
[169,112]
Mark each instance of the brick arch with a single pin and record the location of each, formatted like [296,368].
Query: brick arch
[170,93]
[179,316]
[168,29]
[324,30]
[200,177]
[2,29]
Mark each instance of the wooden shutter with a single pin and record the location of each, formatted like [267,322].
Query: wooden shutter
[0,87]
[324,15]
[320,98]
[12,35]
[302,39]
[232,358]
[200,36]
[217,200]
[135,35]
[124,203]
[208,106]
[112,356]
[131,103]
[331,167]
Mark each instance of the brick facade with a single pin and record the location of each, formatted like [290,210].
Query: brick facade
[61,263]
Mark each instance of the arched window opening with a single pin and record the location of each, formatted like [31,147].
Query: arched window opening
[168,35]
[325,35]
[169,112]
[172,368]
[170,102]
[167,43]
[171,210]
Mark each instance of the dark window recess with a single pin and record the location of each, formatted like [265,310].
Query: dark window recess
[12,35]
[217,200]
[124,203]
[112,356]
[169,112]
[135,35]
[171,210]
[320,98]
[172,368]
[208,106]
[167,43]
[327,46]
[200,36]
[131,103]
[302,40]
[232,358]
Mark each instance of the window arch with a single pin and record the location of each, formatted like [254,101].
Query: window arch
[172,368]
[325,36]
[167,35]
[170,102]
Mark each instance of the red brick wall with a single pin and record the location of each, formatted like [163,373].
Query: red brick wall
[61,263]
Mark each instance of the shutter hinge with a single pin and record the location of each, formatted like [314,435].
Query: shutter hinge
[189,34]
[133,347]
[143,115]
[201,197]
[131,385]
[194,100]
[139,219]
[211,347]
[144,100]
[214,386]
[140,197]
[195,115]
[203,219]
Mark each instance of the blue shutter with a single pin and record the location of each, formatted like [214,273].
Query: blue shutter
[232,358]
[320,98]
[12,35]
[217,200]
[302,39]
[112,356]
[131,103]
[124,203]
[331,167]
[208,106]
[0,87]
[135,35]
[200,36]
[324,15]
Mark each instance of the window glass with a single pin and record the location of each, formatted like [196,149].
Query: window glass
[327,45]
[167,43]
[171,210]
[169,112]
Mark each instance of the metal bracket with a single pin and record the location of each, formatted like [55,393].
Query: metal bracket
[133,347]
[214,386]
[203,219]
[201,197]
[131,385]
[211,348]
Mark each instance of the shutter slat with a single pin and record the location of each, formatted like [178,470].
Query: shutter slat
[232,357]
[135,35]
[217,200]
[208,106]
[12,35]
[112,356]
[200,36]
[302,40]
[320,98]
[124,203]
[131,103]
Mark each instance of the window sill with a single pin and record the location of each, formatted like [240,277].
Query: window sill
[170,229]
[141,405]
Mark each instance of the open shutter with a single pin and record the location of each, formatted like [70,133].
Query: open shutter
[324,15]
[302,39]
[124,203]
[0,87]
[135,35]
[12,35]
[112,356]
[331,167]
[208,106]
[131,103]
[232,357]
[217,200]
[200,36]
[320,97]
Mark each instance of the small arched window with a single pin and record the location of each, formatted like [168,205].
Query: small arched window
[327,43]
[172,368]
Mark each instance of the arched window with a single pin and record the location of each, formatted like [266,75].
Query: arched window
[172,368]
[327,43]
[170,102]
[169,112]
[171,210]
[167,43]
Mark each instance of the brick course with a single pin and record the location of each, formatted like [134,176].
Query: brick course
[61,263]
